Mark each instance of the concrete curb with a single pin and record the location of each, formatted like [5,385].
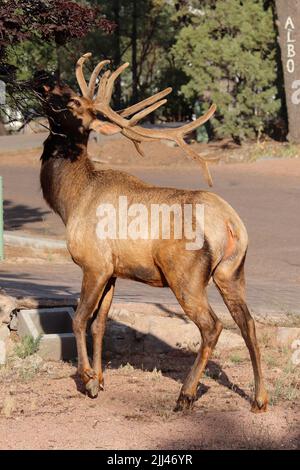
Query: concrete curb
[55,325]
[33,242]
[136,333]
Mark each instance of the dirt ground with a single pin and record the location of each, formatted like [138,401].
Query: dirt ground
[43,405]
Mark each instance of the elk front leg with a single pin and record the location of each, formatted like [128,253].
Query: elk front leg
[93,285]
[98,329]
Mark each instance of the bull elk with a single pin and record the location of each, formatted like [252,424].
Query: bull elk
[74,189]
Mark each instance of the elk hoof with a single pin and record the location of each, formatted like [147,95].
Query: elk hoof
[184,403]
[92,387]
[260,405]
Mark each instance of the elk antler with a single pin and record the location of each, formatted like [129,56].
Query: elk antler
[105,92]
[88,90]
[128,127]
[102,101]
[106,87]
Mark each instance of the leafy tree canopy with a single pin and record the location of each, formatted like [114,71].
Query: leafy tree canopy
[44,21]
[31,34]
[223,51]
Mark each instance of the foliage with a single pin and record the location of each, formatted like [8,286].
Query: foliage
[31,35]
[27,346]
[44,23]
[58,20]
[207,50]
[227,52]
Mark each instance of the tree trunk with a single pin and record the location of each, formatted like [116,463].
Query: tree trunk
[59,59]
[117,52]
[134,52]
[288,14]
[2,128]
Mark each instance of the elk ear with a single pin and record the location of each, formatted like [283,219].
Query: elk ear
[105,127]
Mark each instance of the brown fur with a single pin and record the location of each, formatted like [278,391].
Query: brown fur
[74,189]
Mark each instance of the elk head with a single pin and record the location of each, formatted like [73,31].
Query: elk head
[69,114]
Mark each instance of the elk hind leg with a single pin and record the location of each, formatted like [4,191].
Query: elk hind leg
[210,328]
[229,279]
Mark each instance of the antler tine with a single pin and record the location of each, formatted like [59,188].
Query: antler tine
[199,121]
[94,76]
[111,81]
[133,133]
[80,76]
[176,135]
[104,96]
[102,87]
[195,156]
[138,148]
[137,117]
[142,104]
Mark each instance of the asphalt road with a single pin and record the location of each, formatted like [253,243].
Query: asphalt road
[265,194]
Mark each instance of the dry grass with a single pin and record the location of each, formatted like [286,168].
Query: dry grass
[155,374]
[23,362]
[270,149]
[127,367]
[287,386]
[236,358]
[281,376]
[27,346]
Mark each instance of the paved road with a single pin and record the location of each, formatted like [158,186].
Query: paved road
[265,296]
[13,143]
[265,194]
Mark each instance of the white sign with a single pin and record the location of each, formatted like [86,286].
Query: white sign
[291,54]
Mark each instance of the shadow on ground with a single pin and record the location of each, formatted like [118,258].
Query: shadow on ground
[24,283]
[146,354]
[230,431]
[16,216]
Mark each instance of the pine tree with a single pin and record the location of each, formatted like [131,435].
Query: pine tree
[228,54]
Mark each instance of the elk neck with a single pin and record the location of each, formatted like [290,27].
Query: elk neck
[65,172]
